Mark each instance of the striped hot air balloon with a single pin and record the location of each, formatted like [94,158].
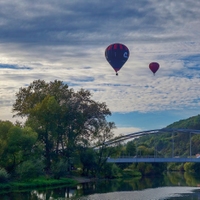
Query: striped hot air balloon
[117,54]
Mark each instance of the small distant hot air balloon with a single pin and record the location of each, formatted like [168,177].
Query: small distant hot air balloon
[154,66]
[117,54]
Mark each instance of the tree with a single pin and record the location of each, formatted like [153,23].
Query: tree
[5,126]
[143,150]
[130,148]
[89,161]
[64,119]
[17,145]
[103,152]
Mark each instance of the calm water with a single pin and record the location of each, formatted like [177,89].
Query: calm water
[170,186]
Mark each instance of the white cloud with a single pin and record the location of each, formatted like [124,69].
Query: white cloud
[125,130]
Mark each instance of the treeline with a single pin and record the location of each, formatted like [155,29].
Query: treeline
[161,144]
[61,127]
[57,138]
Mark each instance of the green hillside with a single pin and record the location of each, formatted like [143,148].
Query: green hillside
[160,144]
[190,123]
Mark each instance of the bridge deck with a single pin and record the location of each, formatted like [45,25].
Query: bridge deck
[151,160]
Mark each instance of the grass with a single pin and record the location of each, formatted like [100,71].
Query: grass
[131,173]
[41,182]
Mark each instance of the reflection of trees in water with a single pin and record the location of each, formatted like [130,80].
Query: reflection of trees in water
[175,179]
[145,182]
[168,179]
[63,192]
[192,179]
[102,186]
[182,179]
[105,186]
[123,185]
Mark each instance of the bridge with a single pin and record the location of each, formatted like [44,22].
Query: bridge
[153,159]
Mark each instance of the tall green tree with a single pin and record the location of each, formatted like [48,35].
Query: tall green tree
[103,152]
[64,119]
[131,148]
[88,159]
[17,145]
[5,126]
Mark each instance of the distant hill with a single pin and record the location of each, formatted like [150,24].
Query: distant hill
[190,123]
[162,142]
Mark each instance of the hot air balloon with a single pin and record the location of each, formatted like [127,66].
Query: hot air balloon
[117,54]
[154,66]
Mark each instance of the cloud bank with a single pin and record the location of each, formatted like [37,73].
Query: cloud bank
[66,40]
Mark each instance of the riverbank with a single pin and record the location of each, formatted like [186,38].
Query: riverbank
[40,183]
[141,188]
[43,182]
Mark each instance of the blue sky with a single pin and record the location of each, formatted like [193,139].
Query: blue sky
[66,40]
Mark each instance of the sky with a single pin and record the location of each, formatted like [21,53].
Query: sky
[66,40]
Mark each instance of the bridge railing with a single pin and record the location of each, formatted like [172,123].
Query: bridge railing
[152,160]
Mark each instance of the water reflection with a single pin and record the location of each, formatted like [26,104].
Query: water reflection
[136,186]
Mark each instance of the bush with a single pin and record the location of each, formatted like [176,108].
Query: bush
[59,169]
[111,171]
[4,176]
[30,169]
[129,173]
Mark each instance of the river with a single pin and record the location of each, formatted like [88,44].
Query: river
[169,186]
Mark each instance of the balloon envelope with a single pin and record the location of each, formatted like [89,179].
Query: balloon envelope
[154,66]
[117,54]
